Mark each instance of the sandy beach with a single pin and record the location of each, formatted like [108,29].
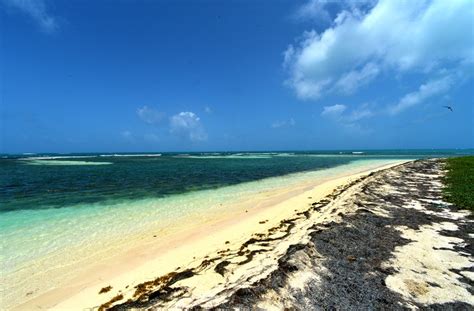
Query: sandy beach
[399,246]
[198,241]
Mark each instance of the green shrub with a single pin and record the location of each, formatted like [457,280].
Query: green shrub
[460,182]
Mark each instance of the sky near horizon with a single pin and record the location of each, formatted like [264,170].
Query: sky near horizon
[131,75]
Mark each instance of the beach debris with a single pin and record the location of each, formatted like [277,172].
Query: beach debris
[160,285]
[351,258]
[220,267]
[108,304]
[105,289]
[416,288]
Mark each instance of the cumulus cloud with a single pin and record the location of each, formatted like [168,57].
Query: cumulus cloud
[348,119]
[188,125]
[362,112]
[396,37]
[37,10]
[425,91]
[313,10]
[150,115]
[352,80]
[285,123]
[318,10]
[333,111]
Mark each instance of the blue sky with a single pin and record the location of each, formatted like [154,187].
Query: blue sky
[105,76]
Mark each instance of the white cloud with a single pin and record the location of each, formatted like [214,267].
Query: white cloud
[333,111]
[313,10]
[348,119]
[207,109]
[150,115]
[394,37]
[352,80]
[425,91]
[185,124]
[362,112]
[318,10]
[37,10]
[188,125]
[285,123]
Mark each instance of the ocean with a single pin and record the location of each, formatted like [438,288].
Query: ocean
[65,209]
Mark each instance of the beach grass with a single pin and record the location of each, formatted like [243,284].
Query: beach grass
[460,182]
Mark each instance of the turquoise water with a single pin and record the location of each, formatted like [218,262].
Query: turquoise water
[51,200]
[57,181]
[57,208]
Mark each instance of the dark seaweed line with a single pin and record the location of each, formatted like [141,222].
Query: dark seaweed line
[346,287]
[153,292]
[312,231]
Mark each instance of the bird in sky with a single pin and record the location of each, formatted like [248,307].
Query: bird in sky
[449,107]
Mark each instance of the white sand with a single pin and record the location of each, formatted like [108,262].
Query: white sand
[424,266]
[152,258]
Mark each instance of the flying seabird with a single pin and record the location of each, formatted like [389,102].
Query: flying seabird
[449,107]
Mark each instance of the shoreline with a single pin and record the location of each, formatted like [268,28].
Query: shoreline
[143,263]
[400,246]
